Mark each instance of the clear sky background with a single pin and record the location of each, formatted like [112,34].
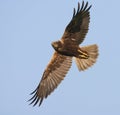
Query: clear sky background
[27,28]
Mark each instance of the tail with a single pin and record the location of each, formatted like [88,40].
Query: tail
[92,51]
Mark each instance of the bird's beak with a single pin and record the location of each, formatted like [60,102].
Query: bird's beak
[54,44]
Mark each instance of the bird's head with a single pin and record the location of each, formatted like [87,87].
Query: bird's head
[56,45]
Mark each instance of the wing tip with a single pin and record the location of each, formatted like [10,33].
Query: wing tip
[35,99]
[84,7]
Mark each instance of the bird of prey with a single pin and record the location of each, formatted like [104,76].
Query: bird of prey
[66,49]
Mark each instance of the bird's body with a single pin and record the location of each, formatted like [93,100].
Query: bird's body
[65,49]
[69,50]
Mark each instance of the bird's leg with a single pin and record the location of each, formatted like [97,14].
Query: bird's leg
[82,54]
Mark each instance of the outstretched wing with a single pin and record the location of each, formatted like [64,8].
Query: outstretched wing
[78,26]
[53,75]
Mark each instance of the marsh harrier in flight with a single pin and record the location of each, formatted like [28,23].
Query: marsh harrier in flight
[66,49]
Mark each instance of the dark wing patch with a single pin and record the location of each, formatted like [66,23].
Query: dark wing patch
[53,75]
[78,26]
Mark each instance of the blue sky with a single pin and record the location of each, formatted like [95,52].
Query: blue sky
[27,29]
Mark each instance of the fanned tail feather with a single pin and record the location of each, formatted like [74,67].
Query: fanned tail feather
[92,51]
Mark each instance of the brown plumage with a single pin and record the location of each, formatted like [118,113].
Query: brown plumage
[65,49]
